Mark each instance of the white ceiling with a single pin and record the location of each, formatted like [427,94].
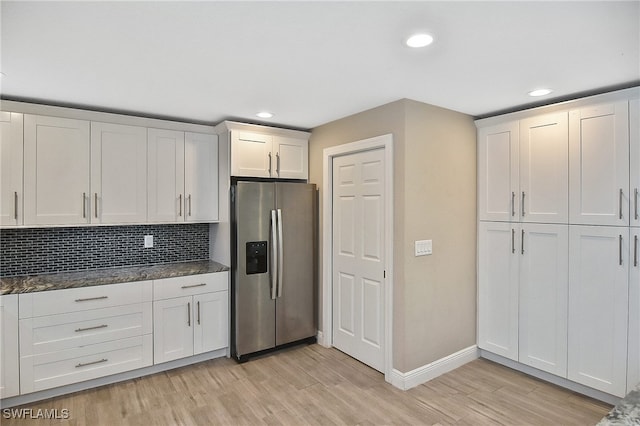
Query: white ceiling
[311,62]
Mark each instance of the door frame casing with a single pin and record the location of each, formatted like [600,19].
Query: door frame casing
[384,142]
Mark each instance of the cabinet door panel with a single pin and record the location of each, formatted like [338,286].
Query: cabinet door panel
[166,175]
[598,307]
[498,289]
[172,329]
[11,148]
[251,154]
[291,158]
[599,165]
[9,355]
[118,173]
[544,276]
[634,170]
[56,171]
[633,362]
[211,322]
[544,169]
[498,172]
[201,177]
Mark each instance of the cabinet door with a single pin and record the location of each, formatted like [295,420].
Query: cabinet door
[118,173]
[633,363]
[544,285]
[56,171]
[165,150]
[498,288]
[9,358]
[634,170]
[172,329]
[292,158]
[211,322]
[201,177]
[251,154]
[599,165]
[498,172]
[544,169]
[11,168]
[598,307]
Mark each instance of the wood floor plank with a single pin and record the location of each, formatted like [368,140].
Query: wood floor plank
[312,385]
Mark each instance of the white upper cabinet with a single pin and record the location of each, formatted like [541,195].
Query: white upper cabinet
[267,152]
[599,164]
[523,170]
[544,165]
[598,307]
[56,171]
[201,177]
[634,141]
[118,174]
[498,172]
[166,175]
[11,149]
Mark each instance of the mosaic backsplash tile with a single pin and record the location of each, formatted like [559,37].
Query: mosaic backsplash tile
[44,250]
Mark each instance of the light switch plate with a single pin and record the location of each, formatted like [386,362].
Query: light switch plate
[148,241]
[424,247]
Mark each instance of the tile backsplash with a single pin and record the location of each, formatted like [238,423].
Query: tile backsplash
[27,251]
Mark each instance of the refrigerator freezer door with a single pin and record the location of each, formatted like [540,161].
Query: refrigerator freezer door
[254,310]
[296,305]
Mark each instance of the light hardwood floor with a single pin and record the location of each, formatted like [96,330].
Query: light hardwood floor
[318,386]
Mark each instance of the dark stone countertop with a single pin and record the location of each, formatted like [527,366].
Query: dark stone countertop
[62,280]
[626,412]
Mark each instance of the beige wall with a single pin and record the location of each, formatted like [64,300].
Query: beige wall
[434,198]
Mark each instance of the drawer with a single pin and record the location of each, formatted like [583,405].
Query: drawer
[53,369]
[83,299]
[65,331]
[190,285]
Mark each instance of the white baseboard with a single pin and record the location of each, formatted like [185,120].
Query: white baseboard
[321,340]
[430,371]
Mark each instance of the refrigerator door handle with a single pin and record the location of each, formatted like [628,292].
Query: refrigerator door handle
[280,254]
[274,254]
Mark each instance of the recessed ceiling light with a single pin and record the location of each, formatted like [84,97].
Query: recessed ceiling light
[540,92]
[419,40]
[264,114]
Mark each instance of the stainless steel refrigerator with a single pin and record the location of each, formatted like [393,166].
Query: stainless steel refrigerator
[273,289]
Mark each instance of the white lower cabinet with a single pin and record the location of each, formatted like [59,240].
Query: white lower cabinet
[633,363]
[9,355]
[598,307]
[190,315]
[68,336]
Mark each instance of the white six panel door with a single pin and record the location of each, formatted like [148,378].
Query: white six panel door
[11,149]
[598,307]
[358,256]
[498,156]
[544,286]
[544,169]
[498,288]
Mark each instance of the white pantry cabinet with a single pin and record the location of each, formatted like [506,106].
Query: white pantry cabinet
[599,164]
[598,307]
[634,169]
[9,353]
[190,315]
[523,170]
[633,363]
[56,171]
[11,151]
[183,176]
[118,174]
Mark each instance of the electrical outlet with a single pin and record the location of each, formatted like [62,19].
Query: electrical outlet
[423,247]
[148,241]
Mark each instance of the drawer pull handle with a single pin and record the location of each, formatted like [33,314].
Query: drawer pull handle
[91,328]
[92,298]
[194,285]
[84,364]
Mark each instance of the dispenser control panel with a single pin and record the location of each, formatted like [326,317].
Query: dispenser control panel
[257,257]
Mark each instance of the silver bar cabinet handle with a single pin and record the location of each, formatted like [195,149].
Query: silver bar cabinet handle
[84,204]
[198,312]
[513,204]
[522,243]
[274,254]
[620,205]
[189,204]
[513,240]
[92,298]
[280,253]
[95,204]
[620,249]
[194,285]
[91,328]
[269,163]
[635,250]
[15,205]
[91,363]
[277,163]
[180,205]
[635,202]
[522,204]
[189,314]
